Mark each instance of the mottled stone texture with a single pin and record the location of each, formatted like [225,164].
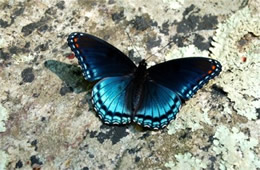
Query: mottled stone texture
[46,117]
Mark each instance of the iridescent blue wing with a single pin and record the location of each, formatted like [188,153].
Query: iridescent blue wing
[185,76]
[159,106]
[97,58]
[109,100]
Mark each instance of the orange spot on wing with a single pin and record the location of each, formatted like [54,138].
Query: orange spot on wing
[75,39]
[210,71]
[213,67]
[77,45]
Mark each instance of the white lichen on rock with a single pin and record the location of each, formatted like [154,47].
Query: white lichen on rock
[174,4]
[186,161]
[190,118]
[188,51]
[3,160]
[240,79]
[231,46]
[154,9]
[3,118]
[236,149]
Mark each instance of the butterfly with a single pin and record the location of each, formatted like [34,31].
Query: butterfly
[125,93]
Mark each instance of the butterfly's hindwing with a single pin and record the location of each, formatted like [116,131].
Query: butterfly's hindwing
[159,106]
[97,58]
[108,98]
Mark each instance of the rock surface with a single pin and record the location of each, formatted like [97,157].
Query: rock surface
[46,117]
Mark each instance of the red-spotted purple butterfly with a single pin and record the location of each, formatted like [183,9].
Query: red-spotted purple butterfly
[128,93]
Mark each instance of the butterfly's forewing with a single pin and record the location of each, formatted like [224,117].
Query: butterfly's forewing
[185,76]
[109,100]
[97,58]
[159,106]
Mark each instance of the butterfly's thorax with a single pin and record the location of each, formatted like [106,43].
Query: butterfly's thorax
[136,87]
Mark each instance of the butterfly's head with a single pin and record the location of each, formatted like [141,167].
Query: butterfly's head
[143,63]
[141,69]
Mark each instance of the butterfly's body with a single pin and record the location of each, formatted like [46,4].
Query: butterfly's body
[128,93]
[136,87]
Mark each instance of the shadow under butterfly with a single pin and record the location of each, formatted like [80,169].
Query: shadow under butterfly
[128,93]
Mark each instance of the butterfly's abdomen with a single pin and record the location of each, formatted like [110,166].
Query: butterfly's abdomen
[136,96]
[136,87]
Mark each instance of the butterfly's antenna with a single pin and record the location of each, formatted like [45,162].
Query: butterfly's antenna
[133,44]
[160,50]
